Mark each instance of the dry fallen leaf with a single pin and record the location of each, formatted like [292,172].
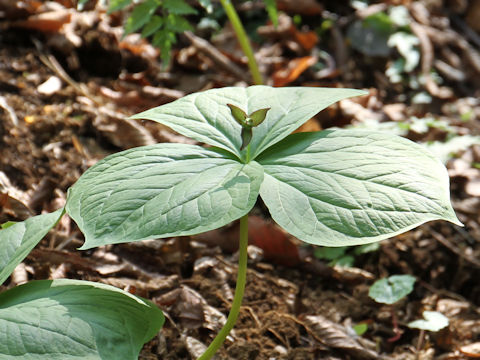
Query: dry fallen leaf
[337,336]
[293,70]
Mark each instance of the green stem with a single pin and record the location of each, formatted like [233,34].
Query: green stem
[243,40]
[239,291]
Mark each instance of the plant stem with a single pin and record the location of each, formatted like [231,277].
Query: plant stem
[243,40]
[239,291]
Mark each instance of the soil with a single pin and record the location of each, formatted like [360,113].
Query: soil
[296,306]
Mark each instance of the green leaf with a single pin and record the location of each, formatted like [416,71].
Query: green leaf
[352,187]
[344,261]
[247,133]
[177,23]
[141,15]
[206,117]
[434,321]
[153,25]
[116,5]
[391,289]
[178,7]
[238,114]
[72,319]
[7,224]
[360,328]
[258,116]
[17,240]
[161,190]
[364,249]
[163,39]
[329,253]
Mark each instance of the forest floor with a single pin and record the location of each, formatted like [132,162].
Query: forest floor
[69,81]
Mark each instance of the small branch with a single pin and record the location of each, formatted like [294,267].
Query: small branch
[216,56]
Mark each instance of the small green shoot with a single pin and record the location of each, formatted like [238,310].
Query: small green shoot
[389,291]
[360,328]
[432,321]
[392,289]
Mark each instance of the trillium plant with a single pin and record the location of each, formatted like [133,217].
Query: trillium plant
[331,188]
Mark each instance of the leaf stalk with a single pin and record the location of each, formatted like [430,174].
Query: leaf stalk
[239,291]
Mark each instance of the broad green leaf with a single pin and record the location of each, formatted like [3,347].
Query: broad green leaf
[391,289]
[434,321]
[178,7]
[17,240]
[141,15]
[352,187]
[161,190]
[72,319]
[206,117]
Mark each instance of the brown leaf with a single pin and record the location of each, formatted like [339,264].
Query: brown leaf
[13,202]
[306,7]
[293,70]
[192,309]
[337,336]
[51,21]
[307,39]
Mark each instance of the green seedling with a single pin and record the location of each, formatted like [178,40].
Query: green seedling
[247,122]
[389,291]
[163,20]
[432,321]
[330,188]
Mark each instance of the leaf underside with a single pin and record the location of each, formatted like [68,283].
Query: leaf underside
[72,319]
[159,191]
[206,117]
[351,187]
[19,239]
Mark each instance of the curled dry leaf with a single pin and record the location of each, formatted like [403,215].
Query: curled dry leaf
[192,309]
[13,202]
[293,70]
[195,347]
[336,336]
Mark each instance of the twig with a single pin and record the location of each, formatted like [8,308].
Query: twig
[51,62]
[454,249]
[427,62]
[471,34]
[216,56]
